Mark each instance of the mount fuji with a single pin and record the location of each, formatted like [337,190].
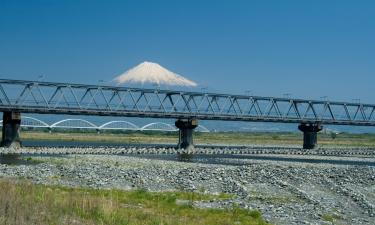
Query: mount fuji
[153,73]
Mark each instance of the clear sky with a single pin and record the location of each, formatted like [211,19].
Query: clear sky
[307,48]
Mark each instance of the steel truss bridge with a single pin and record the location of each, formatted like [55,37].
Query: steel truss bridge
[79,99]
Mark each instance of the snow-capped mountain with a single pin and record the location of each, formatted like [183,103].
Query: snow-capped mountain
[153,73]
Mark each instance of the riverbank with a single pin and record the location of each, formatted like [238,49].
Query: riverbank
[284,192]
[212,138]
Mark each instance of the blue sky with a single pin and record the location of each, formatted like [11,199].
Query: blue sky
[307,48]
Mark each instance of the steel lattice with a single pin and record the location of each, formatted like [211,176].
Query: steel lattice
[64,98]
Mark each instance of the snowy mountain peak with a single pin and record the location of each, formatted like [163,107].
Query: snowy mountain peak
[149,72]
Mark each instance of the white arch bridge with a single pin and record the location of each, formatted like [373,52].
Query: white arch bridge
[31,122]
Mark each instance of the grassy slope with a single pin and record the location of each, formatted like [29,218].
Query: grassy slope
[26,203]
[207,138]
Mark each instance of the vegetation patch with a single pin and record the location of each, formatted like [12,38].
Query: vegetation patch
[22,202]
[333,218]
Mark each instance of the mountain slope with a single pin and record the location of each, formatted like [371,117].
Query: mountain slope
[153,73]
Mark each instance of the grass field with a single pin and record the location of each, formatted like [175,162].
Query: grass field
[226,138]
[22,202]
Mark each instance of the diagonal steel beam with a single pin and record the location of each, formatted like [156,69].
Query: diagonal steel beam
[7,101]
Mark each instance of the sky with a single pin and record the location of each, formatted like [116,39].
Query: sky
[308,49]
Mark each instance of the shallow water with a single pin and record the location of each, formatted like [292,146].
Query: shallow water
[238,160]
[83,144]
[16,159]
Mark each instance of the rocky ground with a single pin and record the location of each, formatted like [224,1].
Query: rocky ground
[207,149]
[286,192]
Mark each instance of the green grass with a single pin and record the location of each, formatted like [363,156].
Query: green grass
[227,138]
[331,218]
[22,202]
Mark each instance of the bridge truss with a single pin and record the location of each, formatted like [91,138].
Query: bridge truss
[79,99]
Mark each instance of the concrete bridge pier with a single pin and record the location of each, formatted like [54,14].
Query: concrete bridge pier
[11,130]
[310,134]
[186,128]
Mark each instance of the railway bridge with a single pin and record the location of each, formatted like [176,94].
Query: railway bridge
[20,96]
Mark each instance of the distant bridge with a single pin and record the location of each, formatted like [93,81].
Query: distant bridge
[31,122]
[18,96]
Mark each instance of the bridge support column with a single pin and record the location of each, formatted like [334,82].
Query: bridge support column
[310,134]
[11,130]
[186,127]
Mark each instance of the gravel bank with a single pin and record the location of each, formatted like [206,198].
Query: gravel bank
[285,192]
[250,149]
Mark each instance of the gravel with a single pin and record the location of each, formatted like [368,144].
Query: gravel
[285,192]
[248,149]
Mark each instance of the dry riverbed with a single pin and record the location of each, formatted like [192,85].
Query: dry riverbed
[285,192]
